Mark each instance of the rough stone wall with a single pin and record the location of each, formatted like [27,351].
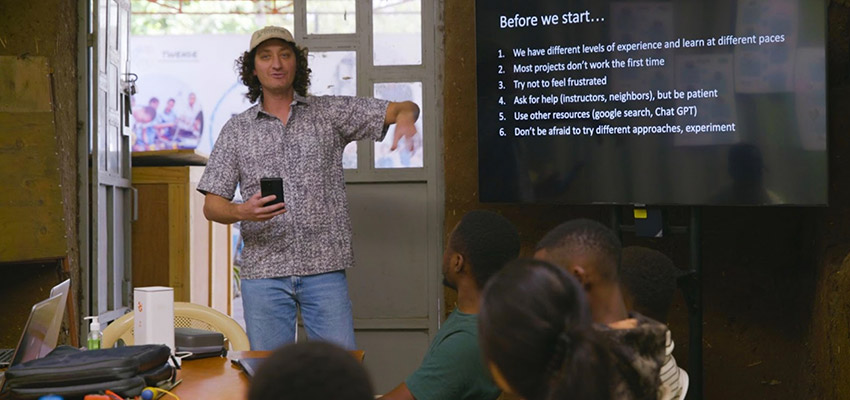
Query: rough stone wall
[47,28]
[828,343]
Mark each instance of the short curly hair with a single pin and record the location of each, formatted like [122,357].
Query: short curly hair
[311,371]
[584,236]
[488,241]
[245,68]
[648,277]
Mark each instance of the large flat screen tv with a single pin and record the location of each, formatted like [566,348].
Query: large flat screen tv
[705,102]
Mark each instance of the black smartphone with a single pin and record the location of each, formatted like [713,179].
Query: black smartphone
[269,186]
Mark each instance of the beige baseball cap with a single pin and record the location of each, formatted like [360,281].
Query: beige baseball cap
[270,32]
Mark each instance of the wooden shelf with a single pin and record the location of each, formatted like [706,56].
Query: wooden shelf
[174,244]
[169,158]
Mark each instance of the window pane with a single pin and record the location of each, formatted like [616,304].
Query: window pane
[330,16]
[113,137]
[408,154]
[397,28]
[335,73]
[349,156]
[112,31]
[170,17]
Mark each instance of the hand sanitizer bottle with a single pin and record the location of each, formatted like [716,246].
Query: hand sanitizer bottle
[95,335]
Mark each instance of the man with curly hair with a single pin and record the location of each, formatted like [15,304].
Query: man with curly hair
[295,253]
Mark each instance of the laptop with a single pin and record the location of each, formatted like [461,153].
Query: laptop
[52,337]
[38,337]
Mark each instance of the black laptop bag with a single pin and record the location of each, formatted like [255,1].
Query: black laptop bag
[73,373]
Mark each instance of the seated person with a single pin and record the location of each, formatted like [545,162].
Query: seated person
[311,371]
[478,247]
[591,252]
[538,339]
[165,123]
[648,281]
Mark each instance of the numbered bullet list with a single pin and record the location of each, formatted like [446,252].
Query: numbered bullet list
[531,79]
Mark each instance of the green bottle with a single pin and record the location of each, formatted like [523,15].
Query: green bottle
[95,336]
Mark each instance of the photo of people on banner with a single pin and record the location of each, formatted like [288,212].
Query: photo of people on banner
[176,124]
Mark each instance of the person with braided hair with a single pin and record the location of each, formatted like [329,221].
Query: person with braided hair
[592,253]
[536,334]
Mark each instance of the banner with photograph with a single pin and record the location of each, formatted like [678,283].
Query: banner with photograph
[187,89]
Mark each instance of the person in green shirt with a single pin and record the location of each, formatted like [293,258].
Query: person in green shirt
[478,247]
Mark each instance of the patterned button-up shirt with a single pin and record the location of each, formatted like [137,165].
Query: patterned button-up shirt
[314,235]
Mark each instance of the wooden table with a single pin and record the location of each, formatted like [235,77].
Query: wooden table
[215,377]
[218,378]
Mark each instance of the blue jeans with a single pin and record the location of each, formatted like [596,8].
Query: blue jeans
[270,309]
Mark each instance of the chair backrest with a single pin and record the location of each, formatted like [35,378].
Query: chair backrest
[684,382]
[186,315]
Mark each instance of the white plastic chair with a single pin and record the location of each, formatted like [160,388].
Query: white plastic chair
[186,315]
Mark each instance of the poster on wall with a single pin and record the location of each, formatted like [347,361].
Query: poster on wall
[187,89]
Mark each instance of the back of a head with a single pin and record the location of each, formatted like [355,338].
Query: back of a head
[311,371]
[649,279]
[535,328]
[583,239]
[487,240]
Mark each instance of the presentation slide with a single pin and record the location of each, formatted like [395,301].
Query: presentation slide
[623,102]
